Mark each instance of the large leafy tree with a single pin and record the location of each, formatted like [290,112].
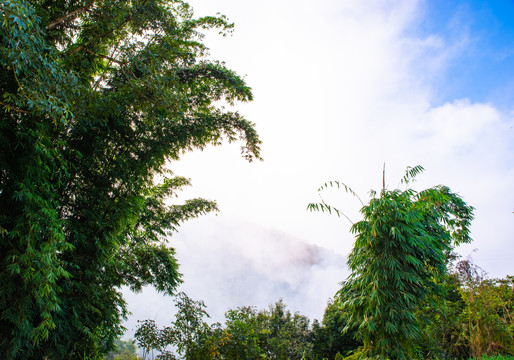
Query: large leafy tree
[189,334]
[274,333]
[398,263]
[248,334]
[97,96]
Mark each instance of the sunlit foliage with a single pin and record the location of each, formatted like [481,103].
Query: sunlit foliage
[96,97]
[398,263]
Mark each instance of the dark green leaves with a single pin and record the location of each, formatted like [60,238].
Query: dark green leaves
[248,334]
[398,262]
[97,97]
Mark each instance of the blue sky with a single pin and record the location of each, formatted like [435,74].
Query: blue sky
[342,87]
[483,69]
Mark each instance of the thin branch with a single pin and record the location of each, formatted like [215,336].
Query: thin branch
[72,15]
[339,186]
[111,59]
[100,37]
[132,85]
[338,212]
[73,51]
[102,56]
[20,88]
[323,206]
[13,108]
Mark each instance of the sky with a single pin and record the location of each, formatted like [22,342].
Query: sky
[342,87]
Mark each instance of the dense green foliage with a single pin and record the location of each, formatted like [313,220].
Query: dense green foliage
[456,328]
[247,334]
[398,263]
[96,97]
[476,318]
[330,337]
[188,333]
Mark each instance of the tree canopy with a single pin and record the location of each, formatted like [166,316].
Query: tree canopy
[398,263]
[473,320]
[248,334]
[97,96]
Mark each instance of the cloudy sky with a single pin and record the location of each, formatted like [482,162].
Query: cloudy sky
[342,87]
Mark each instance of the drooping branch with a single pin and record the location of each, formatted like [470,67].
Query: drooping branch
[101,37]
[69,16]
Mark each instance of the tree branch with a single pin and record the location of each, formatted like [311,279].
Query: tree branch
[13,108]
[71,15]
[102,56]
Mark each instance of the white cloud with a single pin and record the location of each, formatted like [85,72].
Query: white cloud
[243,264]
[340,88]
[462,124]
